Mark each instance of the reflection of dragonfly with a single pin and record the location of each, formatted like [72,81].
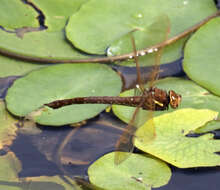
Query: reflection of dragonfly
[153,99]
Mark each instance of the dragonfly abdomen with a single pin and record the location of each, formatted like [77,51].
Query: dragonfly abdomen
[128,101]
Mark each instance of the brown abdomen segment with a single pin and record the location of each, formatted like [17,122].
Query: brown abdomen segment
[129,101]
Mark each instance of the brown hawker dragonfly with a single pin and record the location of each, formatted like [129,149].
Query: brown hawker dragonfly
[152,98]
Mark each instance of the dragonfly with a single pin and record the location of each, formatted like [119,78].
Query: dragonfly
[151,98]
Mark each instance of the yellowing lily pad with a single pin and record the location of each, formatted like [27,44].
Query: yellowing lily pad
[171,143]
[137,172]
[201,56]
[64,81]
[50,183]
[10,166]
[7,127]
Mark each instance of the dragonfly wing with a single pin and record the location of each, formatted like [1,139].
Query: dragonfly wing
[161,26]
[150,134]
[124,145]
[125,142]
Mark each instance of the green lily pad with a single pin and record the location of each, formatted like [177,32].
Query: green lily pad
[45,85]
[42,44]
[137,172]
[13,67]
[110,20]
[8,127]
[50,43]
[57,12]
[16,14]
[193,96]
[171,143]
[201,60]
[154,34]
[211,126]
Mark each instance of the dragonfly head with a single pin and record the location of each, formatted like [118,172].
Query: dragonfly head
[175,99]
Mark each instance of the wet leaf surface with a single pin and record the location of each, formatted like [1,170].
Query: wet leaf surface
[153,34]
[112,19]
[137,172]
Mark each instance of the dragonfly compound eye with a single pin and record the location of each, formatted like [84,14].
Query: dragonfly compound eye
[175,99]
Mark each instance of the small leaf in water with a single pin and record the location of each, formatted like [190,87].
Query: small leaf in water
[137,172]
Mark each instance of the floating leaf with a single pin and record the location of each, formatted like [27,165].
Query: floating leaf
[147,37]
[211,126]
[8,127]
[37,183]
[16,14]
[10,166]
[137,172]
[40,44]
[171,143]
[110,20]
[45,85]
[13,67]
[201,56]
[50,183]
[193,96]
[57,12]
[50,43]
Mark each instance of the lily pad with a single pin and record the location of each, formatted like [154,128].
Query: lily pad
[10,166]
[42,44]
[193,96]
[110,20]
[13,67]
[50,43]
[50,183]
[201,60]
[211,126]
[137,172]
[31,183]
[16,14]
[171,143]
[52,83]
[8,127]
[156,33]
[57,12]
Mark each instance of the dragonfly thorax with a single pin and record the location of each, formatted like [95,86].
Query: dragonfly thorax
[158,100]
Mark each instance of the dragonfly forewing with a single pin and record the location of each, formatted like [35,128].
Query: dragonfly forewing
[125,142]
